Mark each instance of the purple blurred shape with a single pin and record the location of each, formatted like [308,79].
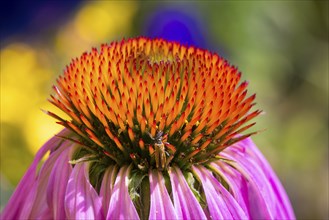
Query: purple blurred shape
[181,23]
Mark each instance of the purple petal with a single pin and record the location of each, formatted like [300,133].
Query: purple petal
[26,188]
[58,180]
[40,201]
[233,206]
[267,190]
[46,214]
[274,180]
[28,202]
[221,204]
[161,206]
[260,202]
[121,206]
[185,203]
[107,187]
[81,199]
[238,184]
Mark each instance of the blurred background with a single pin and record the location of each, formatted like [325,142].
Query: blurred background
[281,47]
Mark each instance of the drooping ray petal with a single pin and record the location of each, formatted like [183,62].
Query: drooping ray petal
[239,186]
[185,203]
[221,204]
[40,204]
[262,183]
[29,198]
[46,214]
[107,187]
[40,200]
[235,209]
[81,199]
[216,206]
[26,186]
[121,206]
[56,188]
[283,204]
[258,201]
[161,206]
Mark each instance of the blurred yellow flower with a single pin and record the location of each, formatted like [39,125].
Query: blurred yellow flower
[42,126]
[21,80]
[96,22]
[101,20]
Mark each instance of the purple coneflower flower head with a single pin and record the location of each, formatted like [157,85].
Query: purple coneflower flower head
[155,130]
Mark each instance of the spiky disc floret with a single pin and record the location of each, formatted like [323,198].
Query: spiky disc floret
[153,103]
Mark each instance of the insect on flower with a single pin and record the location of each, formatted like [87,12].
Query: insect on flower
[161,161]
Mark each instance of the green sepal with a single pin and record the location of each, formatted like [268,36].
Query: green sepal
[196,188]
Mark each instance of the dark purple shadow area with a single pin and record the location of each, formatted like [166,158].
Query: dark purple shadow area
[32,17]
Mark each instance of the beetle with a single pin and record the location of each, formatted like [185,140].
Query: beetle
[159,150]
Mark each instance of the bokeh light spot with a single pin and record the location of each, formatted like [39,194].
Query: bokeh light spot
[40,127]
[104,19]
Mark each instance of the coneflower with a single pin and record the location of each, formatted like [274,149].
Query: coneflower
[157,130]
